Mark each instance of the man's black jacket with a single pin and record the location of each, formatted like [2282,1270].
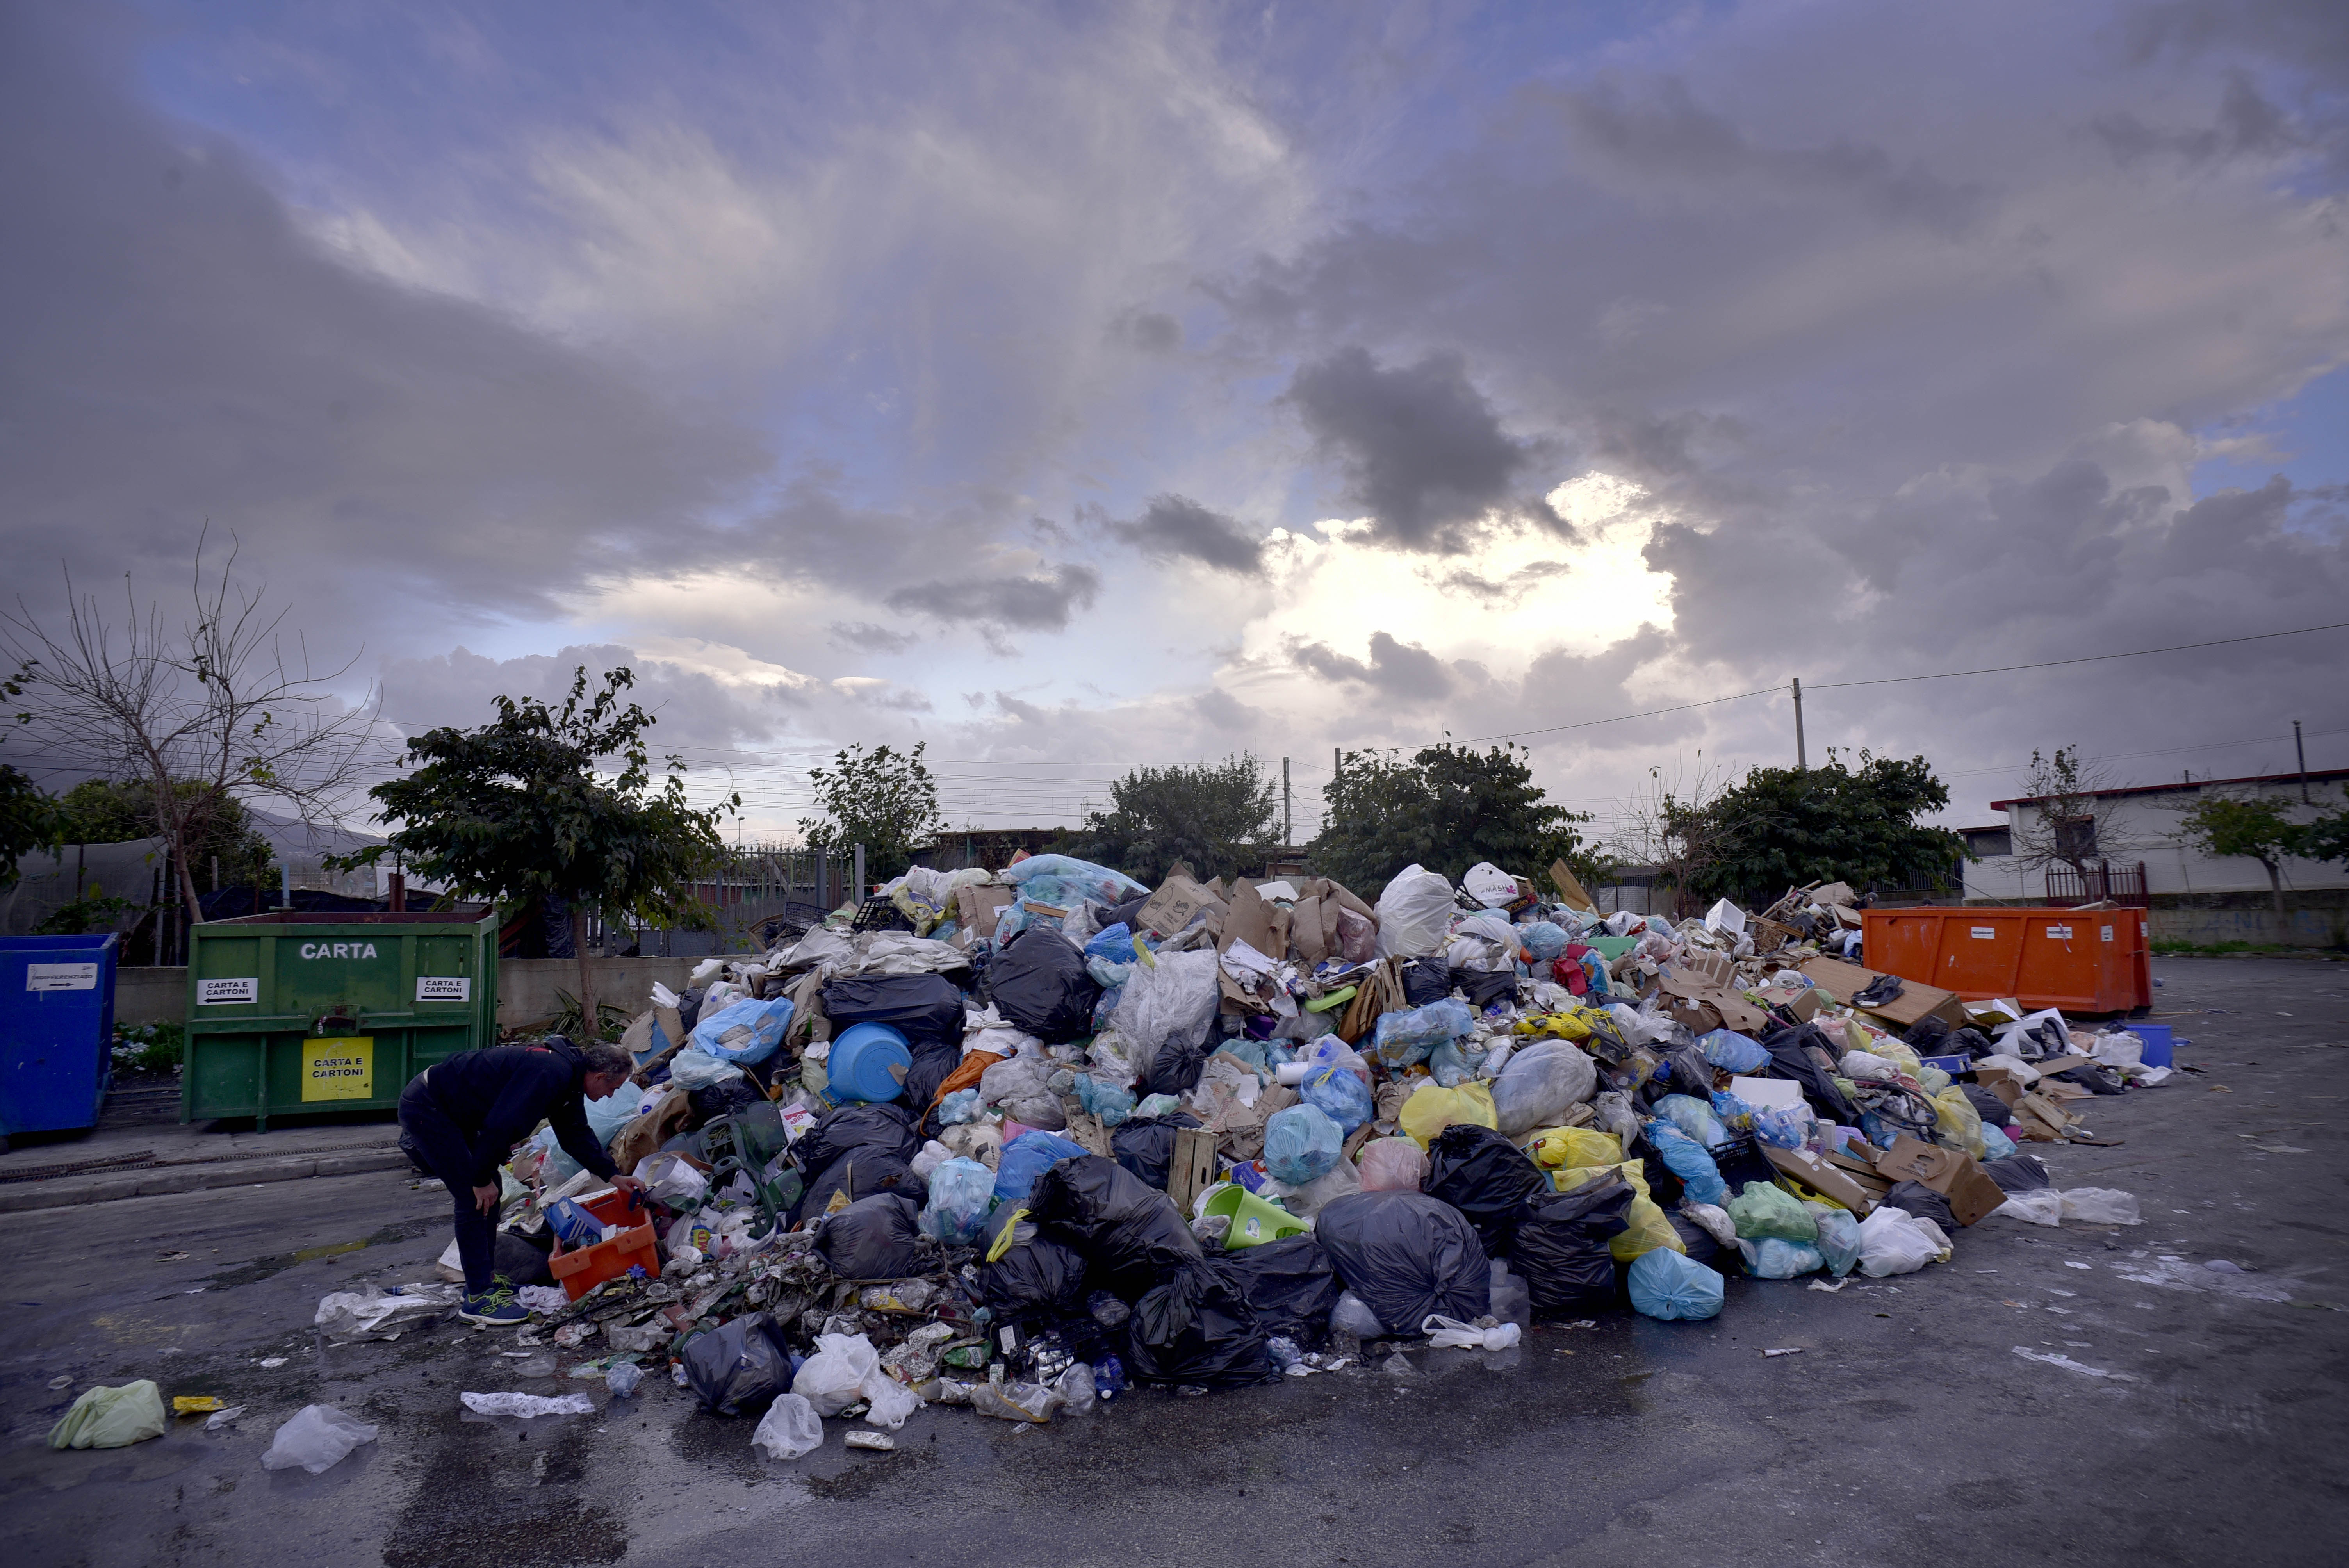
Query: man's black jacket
[495,1098]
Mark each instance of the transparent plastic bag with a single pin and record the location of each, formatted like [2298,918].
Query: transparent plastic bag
[317,1438]
[789,1428]
[1771,1258]
[2100,1206]
[833,1378]
[529,1407]
[1539,1084]
[1838,1241]
[1892,1243]
[1392,1164]
[1406,1037]
[1301,1144]
[961,1193]
[1414,910]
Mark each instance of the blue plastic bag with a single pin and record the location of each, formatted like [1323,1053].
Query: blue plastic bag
[1780,1126]
[1041,877]
[605,1117]
[1543,940]
[1997,1144]
[1405,1040]
[1027,1156]
[1114,943]
[1773,1258]
[1342,1097]
[1695,1119]
[962,1192]
[1104,1100]
[1451,1064]
[1688,1161]
[765,1020]
[1838,1240]
[1732,1052]
[961,1106]
[1301,1144]
[1664,1284]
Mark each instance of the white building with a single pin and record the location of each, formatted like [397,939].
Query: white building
[2138,827]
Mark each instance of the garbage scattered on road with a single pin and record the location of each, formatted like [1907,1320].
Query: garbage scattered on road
[104,1418]
[317,1438]
[528,1406]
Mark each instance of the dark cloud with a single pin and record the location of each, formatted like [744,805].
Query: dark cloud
[1400,670]
[693,710]
[871,636]
[1421,450]
[1503,590]
[1219,709]
[1040,602]
[1176,527]
[1148,331]
[2247,125]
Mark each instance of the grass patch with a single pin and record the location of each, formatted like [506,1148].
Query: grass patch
[2219,949]
[150,1047]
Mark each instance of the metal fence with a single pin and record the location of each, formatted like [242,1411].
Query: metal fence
[758,895]
[2119,884]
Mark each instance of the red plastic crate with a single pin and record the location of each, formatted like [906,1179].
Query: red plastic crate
[581,1271]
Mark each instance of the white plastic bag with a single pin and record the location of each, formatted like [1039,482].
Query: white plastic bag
[1892,1243]
[833,1378]
[1414,910]
[317,1438]
[889,1401]
[2100,1206]
[1020,1078]
[2119,1050]
[372,1314]
[1540,1082]
[2041,1207]
[1712,1220]
[1174,999]
[670,1181]
[528,1406]
[789,1428]
[1450,1333]
[690,1070]
[1075,1387]
[1489,885]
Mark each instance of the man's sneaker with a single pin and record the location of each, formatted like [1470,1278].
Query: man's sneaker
[498,1308]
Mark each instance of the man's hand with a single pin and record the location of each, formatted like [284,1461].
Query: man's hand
[634,1188]
[487,1198]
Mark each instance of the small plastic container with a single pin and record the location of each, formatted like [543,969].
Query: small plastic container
[867,1066]
[579,1270]
[2157,1043]
[1254,1220]
[1952,1066]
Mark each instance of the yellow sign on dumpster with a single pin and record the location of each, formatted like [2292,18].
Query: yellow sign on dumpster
[339,1069]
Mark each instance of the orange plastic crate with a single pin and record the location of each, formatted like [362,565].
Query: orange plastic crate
[582,1270]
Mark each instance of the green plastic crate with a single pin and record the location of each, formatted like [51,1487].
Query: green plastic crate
[294,1013]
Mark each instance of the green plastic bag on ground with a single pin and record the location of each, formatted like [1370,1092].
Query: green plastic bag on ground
[112,1417]
[1763,1209]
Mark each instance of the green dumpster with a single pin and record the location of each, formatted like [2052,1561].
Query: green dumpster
[296,1012]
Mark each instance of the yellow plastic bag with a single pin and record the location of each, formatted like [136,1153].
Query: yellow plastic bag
[1566,1025]
[1432,1108]
[112,1417]
[1555,1148]
[1959,1120]
[1892,1049]
[1649,1229]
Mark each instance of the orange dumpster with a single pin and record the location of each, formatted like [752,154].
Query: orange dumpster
[2081,960]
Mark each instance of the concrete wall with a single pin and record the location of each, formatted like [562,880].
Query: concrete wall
[2143,828]
[2293,928]
[526,987]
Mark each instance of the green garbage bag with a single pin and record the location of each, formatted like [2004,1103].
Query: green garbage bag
[1764,1209]
[112,1417]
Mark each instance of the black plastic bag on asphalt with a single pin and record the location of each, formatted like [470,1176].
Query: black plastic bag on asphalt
[1696,1242]
[1406,1255]
[1790,1058]
[740,1366]
[1145,1145]
[1034,1278]
[1040,984]
[919,1007]
[1195,1331]
[1483,1175]
[1922,1202]
[862,1174]
[1290,1286]
[1562,1247]
[2093,1079]
[1425,980]
[2018,1173]
[873,1238]
[1132,1238]
[1482,987]
[1988,1106]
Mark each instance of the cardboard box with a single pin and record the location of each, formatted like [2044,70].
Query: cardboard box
[1178,901]
[979,908]
[1801,1001]
[1917,1001]
[1952,1173]
[1821,1175]
[1707,967]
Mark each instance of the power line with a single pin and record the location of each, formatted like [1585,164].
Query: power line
[2084,659]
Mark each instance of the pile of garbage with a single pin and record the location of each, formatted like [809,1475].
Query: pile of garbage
[1021,1140]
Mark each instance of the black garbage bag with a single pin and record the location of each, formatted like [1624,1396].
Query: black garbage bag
[1696,1242]
[1988,1106]
[1483,1175]
[1791,1058]
[1562,1246]
[1425,980]
[1968,1043]
[873,1238]
[1196,1331]
[1691,1074]
[1922,1202]
[861,1173]
[739,1367]
[712,1100]
[1484,987]
[1132,1238]
[1924,1037]
[518,1262]
[1290,1286]
[933,1062]
[1176,1067]
[1033,1278]
[2018,1173]
[2093,1079]
[1406,1255]
[920,1006]
[1145,1145]
[1040,983]
[879,1129]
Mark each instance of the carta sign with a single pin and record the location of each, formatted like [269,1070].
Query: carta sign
[339,949]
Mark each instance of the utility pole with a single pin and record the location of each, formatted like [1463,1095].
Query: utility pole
[860,877]
[1285,838]
[1802,756]
[2302,752]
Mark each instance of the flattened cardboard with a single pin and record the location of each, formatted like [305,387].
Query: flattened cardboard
[1821,1176]
[1178,901]
[1952,1173]
[1915,1002]
[1568,887]
[980,907]
[1707,967]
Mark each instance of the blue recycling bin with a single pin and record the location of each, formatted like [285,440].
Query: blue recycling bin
[56,1030]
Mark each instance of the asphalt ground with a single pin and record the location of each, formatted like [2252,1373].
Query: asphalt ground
[2201,1418]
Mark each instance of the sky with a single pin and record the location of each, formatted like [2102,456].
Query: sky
[1078,388]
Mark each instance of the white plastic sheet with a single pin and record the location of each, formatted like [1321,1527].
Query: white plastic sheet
[529,1406]
[317,1438]
[1414,910]
[789,1428]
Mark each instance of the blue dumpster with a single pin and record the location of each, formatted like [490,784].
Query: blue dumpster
[56,1030]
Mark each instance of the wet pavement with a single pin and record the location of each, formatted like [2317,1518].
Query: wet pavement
[2201,1417]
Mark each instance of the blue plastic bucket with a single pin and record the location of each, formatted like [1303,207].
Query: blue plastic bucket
[868,1065]
[2157,1041]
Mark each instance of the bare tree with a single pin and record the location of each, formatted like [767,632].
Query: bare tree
[215,711]
[1678,827]
[2069,816]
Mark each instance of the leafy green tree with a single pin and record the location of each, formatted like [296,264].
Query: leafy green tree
[2255,827]
[1219,817]
[2325,837]
[1446,809]
[27,815]
[1784,827]
[517,809]
[885,800]
[220,830]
